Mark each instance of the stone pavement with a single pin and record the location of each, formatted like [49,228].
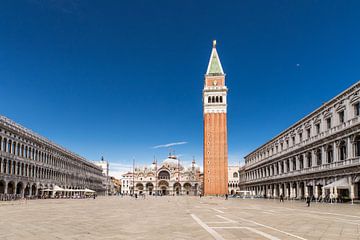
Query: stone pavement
[176,218]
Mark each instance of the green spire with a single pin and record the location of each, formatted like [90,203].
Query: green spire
[214,67]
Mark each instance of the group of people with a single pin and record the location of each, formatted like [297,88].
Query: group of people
[308,200]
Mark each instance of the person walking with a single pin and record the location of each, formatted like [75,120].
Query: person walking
[226,196]
[308,201]
[281,198]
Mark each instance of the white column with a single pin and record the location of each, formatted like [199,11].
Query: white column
[305,161]
[291,164]
[313,157]
[306,190]
[297,162]
[336,152]
[350,148]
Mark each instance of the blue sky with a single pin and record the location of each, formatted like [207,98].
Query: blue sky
[116,78]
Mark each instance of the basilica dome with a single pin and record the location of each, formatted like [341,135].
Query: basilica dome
[171,162]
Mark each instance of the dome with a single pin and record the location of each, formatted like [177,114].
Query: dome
[171,162]
[152,167]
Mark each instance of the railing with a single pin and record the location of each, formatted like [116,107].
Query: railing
[324,167]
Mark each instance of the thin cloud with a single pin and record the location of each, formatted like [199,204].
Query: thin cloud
[169,145]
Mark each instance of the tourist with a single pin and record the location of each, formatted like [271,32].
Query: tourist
[281,198]
[226,196]
[308,201]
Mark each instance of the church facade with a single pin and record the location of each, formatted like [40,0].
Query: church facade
[169,177]
[215,148]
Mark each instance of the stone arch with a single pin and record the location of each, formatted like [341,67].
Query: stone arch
[19,188]
[139,186]
[163,186]
[342,150]
[209,99]
[187,188]
[329,154]
[235,175]
[177,188]
[11,188]
[2,186]
[33,189]
[149,187]
[163,174]
[27,190]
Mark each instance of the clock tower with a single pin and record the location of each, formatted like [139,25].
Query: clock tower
[215,128]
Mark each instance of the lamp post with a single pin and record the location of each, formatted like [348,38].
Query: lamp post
[133,178]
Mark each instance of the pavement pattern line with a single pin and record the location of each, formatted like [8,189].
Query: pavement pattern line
[211,231]
[272,228]
[217,210]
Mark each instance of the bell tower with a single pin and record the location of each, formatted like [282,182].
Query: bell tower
[215,128]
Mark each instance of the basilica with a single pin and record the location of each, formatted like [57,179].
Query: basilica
[168,178]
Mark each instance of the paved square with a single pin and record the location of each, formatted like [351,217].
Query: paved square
[176,218]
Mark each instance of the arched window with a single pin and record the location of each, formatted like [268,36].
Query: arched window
[309,159]
[4,145]
[301,160]
[342,150]
[217,99]
[235,175]
[209,99]
[318,157]
[221,100]
[357,146]
[330,154]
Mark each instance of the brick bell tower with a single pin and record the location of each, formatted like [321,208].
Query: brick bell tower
[215,128]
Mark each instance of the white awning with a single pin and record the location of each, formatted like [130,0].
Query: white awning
[340,184]
[58,189]
[89,190]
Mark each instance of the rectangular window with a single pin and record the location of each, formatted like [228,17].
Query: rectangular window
[308,132]
[293,140]
[317,128]
[357,109]
[341,117]
[328,123]
[300,137]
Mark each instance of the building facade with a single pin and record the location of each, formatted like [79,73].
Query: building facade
[168,178]
[30,163]
[104,165]
[215,128]
[318,156]
[233,179]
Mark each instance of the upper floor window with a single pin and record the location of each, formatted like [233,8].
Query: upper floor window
[328,123]
[287,143]
[357,108]
[308,131]
[293,140]
[317,126]
[300,136]
[341,116]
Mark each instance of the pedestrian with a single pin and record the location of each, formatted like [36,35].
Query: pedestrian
[281,198]
[226,196]
[308,201]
